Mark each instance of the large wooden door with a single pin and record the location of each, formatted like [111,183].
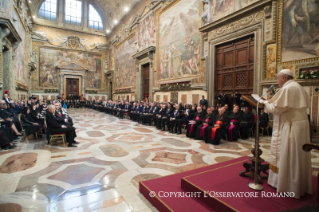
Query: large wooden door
[72,86]
[235,67]
[146,80]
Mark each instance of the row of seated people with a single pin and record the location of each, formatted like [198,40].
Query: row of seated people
[199,121]
[28,117]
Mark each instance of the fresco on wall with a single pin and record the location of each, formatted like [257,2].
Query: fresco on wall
[300,30]
[125,64]
[52,58]
[221,8]
[7,6]
[179,41]
[57,36]
[20,54]
[146,36]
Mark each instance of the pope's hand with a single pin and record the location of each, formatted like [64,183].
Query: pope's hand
[261,101]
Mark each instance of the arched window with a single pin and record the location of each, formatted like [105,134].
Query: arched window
[73,12]
[95,21]
[48,10]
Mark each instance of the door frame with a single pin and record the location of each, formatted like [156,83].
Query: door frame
[257,32]
[73,77]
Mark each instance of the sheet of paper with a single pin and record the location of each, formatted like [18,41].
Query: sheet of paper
[256,97]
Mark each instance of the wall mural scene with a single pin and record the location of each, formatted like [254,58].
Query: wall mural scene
[179,41]
[146,36]
[125,64]
[7,6]
[217,9]
[20,55]
[52,58]
[59,37]
[300,30]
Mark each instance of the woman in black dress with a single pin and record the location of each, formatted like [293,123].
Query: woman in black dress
[5,141]
[29,125]
[35,115]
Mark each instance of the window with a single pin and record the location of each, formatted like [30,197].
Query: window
[95,21]
[48,10]
[73,12]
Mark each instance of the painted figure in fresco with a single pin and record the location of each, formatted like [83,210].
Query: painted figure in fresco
[206,13]
[193,52]
[301,23]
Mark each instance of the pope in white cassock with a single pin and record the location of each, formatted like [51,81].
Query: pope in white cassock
[290,166]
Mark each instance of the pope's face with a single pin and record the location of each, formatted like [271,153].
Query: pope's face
[280,80]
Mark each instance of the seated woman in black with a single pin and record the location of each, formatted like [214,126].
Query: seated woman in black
[213,134]
[208,121]
[35,115]
[5,141]
[28,124]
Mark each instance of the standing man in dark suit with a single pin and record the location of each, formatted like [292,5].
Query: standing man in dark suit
[203,102]
[55,127]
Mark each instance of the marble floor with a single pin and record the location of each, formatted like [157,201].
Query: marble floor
[103,172]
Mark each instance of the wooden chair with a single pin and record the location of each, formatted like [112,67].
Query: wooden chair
[184,128]
[126,115]
[57,136]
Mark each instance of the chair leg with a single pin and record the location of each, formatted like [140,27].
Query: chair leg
[50,141]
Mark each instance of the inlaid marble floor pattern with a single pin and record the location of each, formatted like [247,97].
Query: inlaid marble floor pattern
[103,172]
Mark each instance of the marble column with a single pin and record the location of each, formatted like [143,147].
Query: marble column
[85,14]
[8,72]
[61,88]
[3,33]
[83,85]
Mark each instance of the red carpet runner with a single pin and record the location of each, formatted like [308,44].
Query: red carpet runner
[189,191]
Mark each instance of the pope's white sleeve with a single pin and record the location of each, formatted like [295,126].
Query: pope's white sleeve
[275,110]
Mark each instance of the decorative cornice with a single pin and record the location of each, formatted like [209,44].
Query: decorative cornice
[253,7]
[144,53]
[13,35]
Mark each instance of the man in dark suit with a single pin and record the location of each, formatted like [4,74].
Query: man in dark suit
[55,127]
[177,114]
[62,118]
[126,109]
[203,102]
[19,107]
[168,114]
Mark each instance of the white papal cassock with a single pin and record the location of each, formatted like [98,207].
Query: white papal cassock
[290,166]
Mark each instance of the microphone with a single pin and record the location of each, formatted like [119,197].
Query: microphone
[270,88]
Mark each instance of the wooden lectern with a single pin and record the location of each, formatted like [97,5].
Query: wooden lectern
[250,167]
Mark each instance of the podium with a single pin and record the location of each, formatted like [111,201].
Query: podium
[251,167]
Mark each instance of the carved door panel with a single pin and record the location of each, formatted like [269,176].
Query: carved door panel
[195,99]
[146,80]
[184,99]
[235,67]
[72,86]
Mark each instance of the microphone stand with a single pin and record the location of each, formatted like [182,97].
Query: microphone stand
[255,185]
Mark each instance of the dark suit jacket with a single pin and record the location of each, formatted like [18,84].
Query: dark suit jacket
[203,102]
[52,123]
[18,109]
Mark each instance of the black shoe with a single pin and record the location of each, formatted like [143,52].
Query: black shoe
[71,145]
[178,133]
[76,142]
[163,129]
